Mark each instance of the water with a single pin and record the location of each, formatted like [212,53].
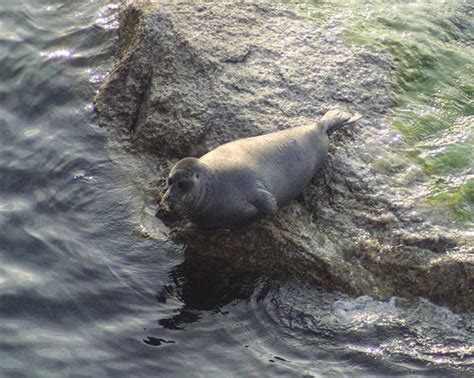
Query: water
[433,45]
[84,293]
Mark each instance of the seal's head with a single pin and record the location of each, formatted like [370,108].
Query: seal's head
[186,185]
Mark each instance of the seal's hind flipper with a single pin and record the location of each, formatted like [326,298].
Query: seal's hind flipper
[355,117]
[265,202]
[336,118]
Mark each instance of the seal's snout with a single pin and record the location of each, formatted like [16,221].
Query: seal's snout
[166,211]
[171,200]
[167,200]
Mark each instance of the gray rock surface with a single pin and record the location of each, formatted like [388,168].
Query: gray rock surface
[189,77]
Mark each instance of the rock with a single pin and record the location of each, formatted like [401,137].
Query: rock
[189,77]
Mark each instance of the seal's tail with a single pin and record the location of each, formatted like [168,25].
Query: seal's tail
[336,118]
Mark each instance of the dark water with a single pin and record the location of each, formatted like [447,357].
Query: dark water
[83,293]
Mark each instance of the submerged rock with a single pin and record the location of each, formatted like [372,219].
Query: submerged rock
[189,77]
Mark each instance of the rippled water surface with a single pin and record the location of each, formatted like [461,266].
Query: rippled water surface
[84,293]
[433,46]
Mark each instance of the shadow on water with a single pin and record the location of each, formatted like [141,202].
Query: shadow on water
[204,285]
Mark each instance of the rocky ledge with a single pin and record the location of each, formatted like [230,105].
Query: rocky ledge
[189,77]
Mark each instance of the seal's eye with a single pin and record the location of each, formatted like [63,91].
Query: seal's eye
[184,185]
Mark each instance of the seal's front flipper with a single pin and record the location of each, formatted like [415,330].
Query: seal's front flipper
[265,202]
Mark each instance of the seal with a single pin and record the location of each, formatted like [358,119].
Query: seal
[247,179]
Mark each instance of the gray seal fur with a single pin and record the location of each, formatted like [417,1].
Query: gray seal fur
[247,179]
